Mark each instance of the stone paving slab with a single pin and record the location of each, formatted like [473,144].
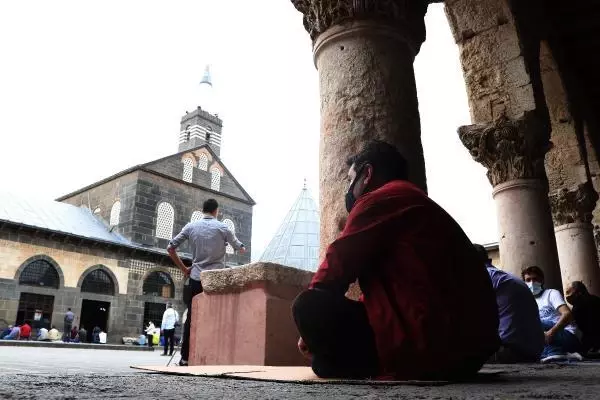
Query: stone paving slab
[33,343]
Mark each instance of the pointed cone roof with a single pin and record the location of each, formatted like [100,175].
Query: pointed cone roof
[206,78]
[296,243]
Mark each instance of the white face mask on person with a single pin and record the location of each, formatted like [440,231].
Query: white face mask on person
[535,287]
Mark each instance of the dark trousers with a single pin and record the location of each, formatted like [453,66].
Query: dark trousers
[195,288]
[337,332]
[67,333]
[150,337]
[169,335]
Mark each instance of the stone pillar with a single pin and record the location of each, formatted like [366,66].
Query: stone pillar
[572,214]
[244,316]
[364,51]
[513,152]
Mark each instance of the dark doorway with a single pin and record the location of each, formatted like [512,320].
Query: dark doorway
[154,312]
[94,314]
[35,308]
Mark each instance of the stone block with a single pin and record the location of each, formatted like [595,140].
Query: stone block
[491,48]
[468,18]
[244,316]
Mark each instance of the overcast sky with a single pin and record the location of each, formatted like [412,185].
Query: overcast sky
[91,88]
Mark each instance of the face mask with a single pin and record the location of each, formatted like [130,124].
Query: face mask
[350,199]
[535,287]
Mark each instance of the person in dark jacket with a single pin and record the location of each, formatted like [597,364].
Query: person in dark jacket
[586,312]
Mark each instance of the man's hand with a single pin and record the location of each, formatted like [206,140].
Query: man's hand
[186,271]
[304,348]
[549,335]
[242,250]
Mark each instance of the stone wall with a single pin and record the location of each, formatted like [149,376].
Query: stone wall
[152,189]
[73,261]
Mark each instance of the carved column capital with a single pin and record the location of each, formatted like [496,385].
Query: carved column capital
[573,205]
[509,149]
[320,15]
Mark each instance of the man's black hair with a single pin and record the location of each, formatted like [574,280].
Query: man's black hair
[387,162]
[482,254]
[533,270]
[579,287]
[210,206]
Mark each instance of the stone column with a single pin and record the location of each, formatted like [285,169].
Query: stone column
[364,51]
[572,214]
[513,152]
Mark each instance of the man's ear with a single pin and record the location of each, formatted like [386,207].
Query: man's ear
[368,174]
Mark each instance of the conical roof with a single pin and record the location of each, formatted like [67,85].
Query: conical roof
[206,78]
[296,243]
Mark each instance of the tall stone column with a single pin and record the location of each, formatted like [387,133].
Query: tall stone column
[572,213]
[513,152]
[364,51]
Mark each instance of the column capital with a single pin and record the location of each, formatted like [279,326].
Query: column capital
[320,15]
[572,205]
[509,149]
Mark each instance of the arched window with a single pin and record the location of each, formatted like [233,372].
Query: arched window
[215,181]
[98,281]
[164,221]
[115,213]
[208,134]
[187,133]
[196,216]
[231,226]
[203,162]
[159,283]
[40,273]
[188,169]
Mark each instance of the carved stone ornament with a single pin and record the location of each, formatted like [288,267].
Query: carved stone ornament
[573,205]
[320,15]
[509,149]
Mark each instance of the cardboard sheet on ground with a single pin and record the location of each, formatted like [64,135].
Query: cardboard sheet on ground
[283,374]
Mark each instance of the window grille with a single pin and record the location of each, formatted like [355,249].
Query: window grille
[215,182]
[203,162]
[153,312]
[159,283]
[29,304]
[164,221]
[98,281]
[196,216]
[188,169]
[115,213]
[40,273]
[231,227]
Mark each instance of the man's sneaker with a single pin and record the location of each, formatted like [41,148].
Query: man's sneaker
[554,357]
[182,363]
[574,356]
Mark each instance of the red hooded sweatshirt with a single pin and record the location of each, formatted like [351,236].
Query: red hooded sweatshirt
[429,301]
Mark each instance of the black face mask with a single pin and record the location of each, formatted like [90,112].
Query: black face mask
[350,199]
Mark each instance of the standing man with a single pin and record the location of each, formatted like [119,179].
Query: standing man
[428,309]
[69,318]
[169,320]
[208,238]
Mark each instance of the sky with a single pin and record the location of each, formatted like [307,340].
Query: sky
[88,89]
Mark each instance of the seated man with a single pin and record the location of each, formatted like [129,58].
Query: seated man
[54,334]
[15,333]
[555,314]
[427,311]
[82,335]
[43,335]
[25,331]
[6,332]
[586,311]
[520,328]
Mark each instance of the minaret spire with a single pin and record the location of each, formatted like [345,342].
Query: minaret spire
[206,78]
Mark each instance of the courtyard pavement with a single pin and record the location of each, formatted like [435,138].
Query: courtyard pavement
[30,373]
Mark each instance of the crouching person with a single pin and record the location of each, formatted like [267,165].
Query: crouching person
[428,310]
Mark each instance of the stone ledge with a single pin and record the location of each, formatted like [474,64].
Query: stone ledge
[226,280]
[32,343]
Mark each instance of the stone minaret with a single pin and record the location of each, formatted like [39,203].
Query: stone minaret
[202,126]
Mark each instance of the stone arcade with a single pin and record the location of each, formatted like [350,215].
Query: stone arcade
[530,69]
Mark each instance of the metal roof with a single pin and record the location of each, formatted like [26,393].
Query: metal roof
[296,243]
[55,216]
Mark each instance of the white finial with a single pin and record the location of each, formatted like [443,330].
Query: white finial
[304,187]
